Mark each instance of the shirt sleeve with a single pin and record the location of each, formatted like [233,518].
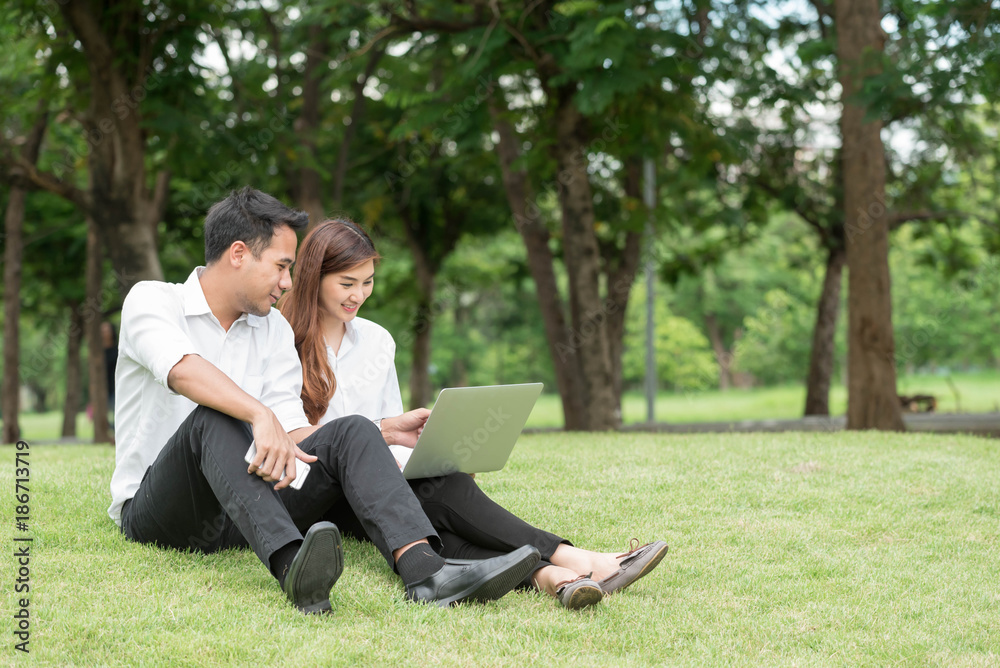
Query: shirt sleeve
[392,402]
[152,329]
[282,389]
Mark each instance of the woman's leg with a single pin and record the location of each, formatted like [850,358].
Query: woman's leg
[455,503]
[454,546]
[545,577]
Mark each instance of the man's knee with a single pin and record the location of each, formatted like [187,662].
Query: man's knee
[222,427]
[362,423]
[353,424]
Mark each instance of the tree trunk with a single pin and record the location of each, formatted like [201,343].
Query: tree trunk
[431,235]
[872,402]
[621,266]
[132,245]
[120,200]
[616,345]
[423,321]
[541,264]
[423,326]
[73,380]
[357,114]
[93,317]
[824,334]
[41,396]
[13,252]
[459,368]
[13,256]
[722,356]
[307,126]
[582,258]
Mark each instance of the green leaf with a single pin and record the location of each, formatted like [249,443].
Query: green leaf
[577,7]
[609,23]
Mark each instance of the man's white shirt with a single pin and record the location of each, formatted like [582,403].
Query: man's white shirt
[163,322]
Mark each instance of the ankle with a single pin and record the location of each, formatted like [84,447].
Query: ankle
[573,559]
[604,564]
[549,578]
[418,562]
[281,560]
[400,551]
[583,562]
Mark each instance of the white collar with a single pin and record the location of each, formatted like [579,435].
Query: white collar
[196,304]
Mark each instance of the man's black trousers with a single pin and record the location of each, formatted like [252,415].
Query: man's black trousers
[198,495]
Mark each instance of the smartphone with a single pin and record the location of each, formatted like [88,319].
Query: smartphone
[301,467]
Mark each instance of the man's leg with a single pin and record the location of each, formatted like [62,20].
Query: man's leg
[456,547]
[197,494]
[355,464]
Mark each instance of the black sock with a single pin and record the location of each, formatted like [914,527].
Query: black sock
[281,560]
[418,562]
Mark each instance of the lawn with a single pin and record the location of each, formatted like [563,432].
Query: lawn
[786,549]
[977,393]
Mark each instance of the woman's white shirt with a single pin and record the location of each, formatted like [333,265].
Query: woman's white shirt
[365,370]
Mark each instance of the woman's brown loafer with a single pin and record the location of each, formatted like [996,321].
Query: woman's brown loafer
[636,563]
[579,593]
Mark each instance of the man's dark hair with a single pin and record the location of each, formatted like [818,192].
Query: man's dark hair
[250,216]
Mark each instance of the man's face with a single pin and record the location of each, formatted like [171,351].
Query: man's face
[262,281]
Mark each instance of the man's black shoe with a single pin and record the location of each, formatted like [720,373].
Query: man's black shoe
[484,580]
[315,569]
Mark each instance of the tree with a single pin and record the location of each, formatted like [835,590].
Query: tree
[573,70]
[438,180]
[930,72]
[13,250]
[29,141]
[133,58]
[872,402]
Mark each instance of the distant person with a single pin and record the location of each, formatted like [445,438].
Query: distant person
[349,367]
[206,368]
[110,341]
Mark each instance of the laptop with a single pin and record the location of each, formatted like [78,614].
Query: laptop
[470,430]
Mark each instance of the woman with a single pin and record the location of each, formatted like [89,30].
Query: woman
[348,368]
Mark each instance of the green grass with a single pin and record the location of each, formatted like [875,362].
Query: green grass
[978,392]
[48,426]
[786,549]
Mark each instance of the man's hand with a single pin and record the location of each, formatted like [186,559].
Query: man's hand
[404,429]
[276,450]
[203,383]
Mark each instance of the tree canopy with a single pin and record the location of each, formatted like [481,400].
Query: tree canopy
[495,150]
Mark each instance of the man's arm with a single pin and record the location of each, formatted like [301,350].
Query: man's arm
[203,383]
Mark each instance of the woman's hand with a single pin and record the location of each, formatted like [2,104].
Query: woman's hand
[404,429]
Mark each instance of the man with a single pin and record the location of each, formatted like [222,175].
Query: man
[205,369]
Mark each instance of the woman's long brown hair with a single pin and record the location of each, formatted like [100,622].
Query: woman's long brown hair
[331,248]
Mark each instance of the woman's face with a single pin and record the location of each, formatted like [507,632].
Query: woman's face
[342,294]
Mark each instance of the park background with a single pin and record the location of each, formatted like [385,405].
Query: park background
[531,172]
[804,191]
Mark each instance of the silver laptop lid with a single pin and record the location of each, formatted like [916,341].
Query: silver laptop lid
[472,429]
